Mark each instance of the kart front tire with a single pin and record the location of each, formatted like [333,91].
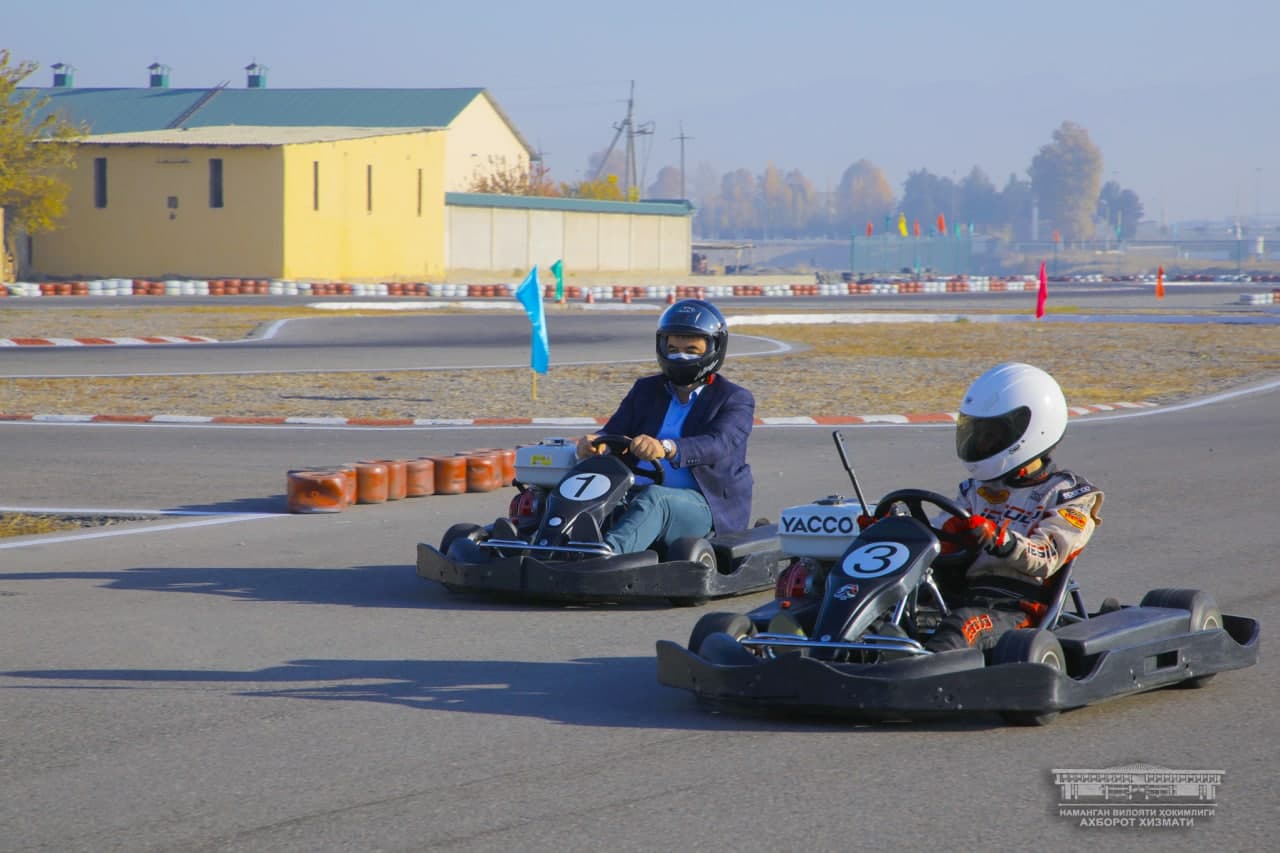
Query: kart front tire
[736,625]
[1205,616]
[692,549]
[1029,645]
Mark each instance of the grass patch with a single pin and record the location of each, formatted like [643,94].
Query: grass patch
[25,524]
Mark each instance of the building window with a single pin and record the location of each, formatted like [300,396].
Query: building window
[215,182]
[419,192]
[315,184]
[368,188]
[99,181]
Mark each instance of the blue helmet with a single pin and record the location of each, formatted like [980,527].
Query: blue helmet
[692,317]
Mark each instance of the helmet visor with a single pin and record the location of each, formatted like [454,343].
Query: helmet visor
[981,438]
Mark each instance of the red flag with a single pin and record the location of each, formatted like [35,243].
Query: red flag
[869,229]
[915,227]
[1057,238]
[942,225]
[1044,292]
[1160,283]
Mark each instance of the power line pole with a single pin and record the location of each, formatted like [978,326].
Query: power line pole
[682,137]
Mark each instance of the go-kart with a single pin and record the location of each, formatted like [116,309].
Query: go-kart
[551,544]
[848,638]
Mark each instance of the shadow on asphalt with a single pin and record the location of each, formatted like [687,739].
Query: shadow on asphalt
[607,692]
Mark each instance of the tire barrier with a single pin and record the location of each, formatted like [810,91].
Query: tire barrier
[419,477]
[316,491]
[451,474]
[484,471]
[371,482]
[397,476]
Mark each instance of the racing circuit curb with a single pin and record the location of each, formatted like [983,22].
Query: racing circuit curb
[95,342]
[253,420]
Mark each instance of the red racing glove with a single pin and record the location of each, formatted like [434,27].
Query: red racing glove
[990,538]
[865,521]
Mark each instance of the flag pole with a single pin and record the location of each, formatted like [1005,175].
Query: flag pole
[535,383]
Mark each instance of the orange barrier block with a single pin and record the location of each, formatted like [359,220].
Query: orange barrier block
[316,491]
[397,485]
[451,474]
[351,482]
[419,477]
[506,459]
[371,482]
[484,471]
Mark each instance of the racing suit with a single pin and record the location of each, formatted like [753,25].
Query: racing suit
[1045,525]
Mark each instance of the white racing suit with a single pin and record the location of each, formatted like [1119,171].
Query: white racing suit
[1047,523]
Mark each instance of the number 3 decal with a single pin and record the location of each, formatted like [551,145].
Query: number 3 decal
[584,487]
[875,560]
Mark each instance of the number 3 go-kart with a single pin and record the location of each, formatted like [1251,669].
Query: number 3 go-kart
[848,638]
[551,546]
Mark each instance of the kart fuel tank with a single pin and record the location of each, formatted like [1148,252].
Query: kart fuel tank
[545,463]
[822,529]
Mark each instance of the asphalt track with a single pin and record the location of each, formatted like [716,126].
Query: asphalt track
[238,679]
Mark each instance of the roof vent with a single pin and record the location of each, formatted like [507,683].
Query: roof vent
[159,75]
[257,76]
[63,75]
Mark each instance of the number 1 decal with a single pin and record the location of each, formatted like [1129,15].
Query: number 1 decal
[584,487]
[875,559]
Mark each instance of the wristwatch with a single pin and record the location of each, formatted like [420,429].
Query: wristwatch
[669,448]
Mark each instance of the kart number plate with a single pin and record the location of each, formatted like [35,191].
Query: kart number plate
[584,487]
[875,559]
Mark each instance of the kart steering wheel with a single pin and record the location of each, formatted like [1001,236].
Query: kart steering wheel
[914,500]
[620,446]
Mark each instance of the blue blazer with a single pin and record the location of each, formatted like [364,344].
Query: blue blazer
[713,445]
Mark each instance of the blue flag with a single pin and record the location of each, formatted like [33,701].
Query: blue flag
[530,295]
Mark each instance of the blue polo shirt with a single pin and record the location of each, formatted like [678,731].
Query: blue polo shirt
[672,428]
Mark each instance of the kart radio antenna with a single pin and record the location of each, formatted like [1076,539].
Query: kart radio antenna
[844,458]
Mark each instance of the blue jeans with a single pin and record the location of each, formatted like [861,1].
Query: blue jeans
[659,514]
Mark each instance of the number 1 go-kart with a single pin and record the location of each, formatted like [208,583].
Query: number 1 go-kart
[847,637]
[551,544]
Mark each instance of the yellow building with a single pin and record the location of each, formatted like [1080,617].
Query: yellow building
[301,203]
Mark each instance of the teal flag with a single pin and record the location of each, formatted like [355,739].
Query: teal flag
[530,295]
[558,269]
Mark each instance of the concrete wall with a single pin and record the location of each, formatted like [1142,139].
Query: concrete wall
[509,240]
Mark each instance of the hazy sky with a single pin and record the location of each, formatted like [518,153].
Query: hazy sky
[1183,98]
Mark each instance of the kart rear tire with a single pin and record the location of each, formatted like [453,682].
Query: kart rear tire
[723,650]
[1029,645]
[457,532]
[736,625]
[692,549]
[1205,616]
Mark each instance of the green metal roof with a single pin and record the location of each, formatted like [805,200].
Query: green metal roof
[130,110]
[579,205]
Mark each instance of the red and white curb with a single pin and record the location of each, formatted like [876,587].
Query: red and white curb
[95,342]
[251,420]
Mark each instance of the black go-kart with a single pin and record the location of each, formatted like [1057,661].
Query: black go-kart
[847,639]
[550,545]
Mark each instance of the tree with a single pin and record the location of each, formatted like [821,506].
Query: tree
[35,151]
[863,195]
[979,200]
[504,178]
[666,184]
[736,213]
[925,195]
[1065,178]
[605,190]
[774,200]
[1015,206]
[803,209]
[1119,211]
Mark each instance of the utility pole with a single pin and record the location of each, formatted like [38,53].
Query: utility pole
[627,126]
[682,139]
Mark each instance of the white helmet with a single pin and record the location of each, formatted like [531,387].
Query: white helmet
[1011,414]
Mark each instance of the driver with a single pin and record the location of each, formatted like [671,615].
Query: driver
[693,422]
[1030,518]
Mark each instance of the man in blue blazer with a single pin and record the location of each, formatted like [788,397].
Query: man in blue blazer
[693,422]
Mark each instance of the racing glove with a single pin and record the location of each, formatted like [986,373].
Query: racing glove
[995,541]
[865,521]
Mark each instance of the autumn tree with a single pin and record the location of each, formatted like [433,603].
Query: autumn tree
[863,195]
[804,205]
[925,195]
[606,189]
[774,200]
[505,178]
[1065,178]
[33,189]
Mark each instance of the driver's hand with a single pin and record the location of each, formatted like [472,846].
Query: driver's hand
[990,538]
[585,447]
[646,448]
[865,521]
